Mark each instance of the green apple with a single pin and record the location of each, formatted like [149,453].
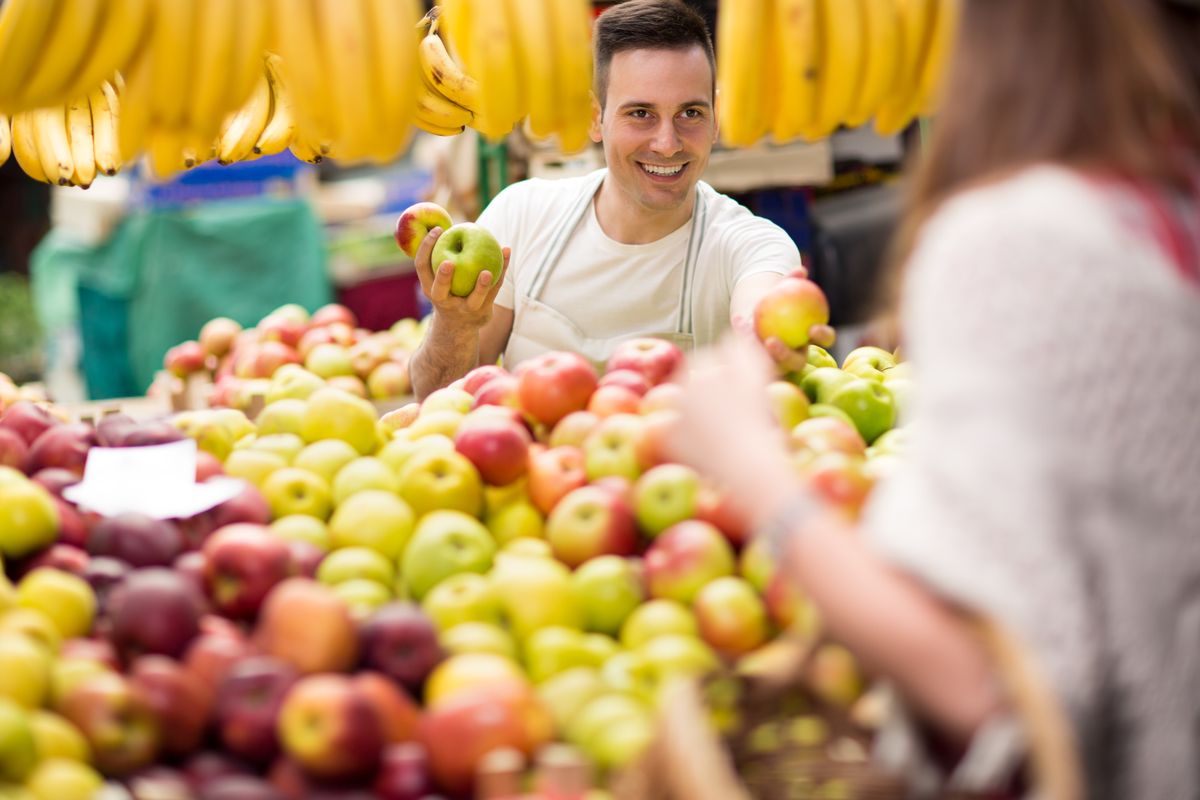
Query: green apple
[325,458]
[445,543]
[350,563]
[869,404]
[819,357]
[373,518]
[601,713]
[478,637]
[621,743]
[400,448]
[822,382]
[789,405]
[828,410]
[285,415]
[28,518]
[535,592]
[302,528]
[462,598]
[516,520]
[334,414]
[291,490]
[25,670]
[902,390]
[64,779]
[361,474]
[893,442]
[608,589]
[554,649]
[600,647]
[658,618]
[876,358]
[566,693]
[286,445]
[447,399]
[292,382]
[362,596]
[18,749]
[612,448]
[627,672]
[472,249]
[674,655]
[431,481]
[253,466]
[525,546]
[66,599]
[664,495]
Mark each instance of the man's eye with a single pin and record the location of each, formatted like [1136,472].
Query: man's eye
[693,113]
[639,113]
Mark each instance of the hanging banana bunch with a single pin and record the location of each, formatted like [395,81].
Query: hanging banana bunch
[828,63]
[67,145]
[5,139]
[54,50]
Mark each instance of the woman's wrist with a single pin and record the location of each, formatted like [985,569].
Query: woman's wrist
[790,518]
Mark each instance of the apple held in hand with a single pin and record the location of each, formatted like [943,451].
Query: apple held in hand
[415,223]
[789,309]
[472,249]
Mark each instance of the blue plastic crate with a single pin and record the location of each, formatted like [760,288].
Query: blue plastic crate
[280,175]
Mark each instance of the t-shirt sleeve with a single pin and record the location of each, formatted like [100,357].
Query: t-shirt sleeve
[753,245]
[502,218]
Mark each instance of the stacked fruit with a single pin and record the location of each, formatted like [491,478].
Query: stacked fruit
[800,68]
[325,347]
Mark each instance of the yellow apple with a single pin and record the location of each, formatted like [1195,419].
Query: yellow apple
[325,458]
[335,414]
[364,472]
[373,518]
[66,599]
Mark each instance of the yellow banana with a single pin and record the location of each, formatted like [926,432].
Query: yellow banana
[63,54]
[210,97]
[277,134]
[24,26]
[5,139]
[25,147]
[795,32]
[242,129]
[536,51]
[742,27]
[347,59]
[83,149]
[435,110]
[53,144]
[571,31]
[392,26]
[253,18]
[134,127]
[840,31]
[945,29]
[446,77]
[435,129]
[917,19]
[121,34]
[105,113]
[883,59]
[172,47]
[454,27]
[305,151]
[297,39]
[164,155]
[492,48]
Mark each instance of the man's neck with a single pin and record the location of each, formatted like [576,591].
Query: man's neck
[630,224]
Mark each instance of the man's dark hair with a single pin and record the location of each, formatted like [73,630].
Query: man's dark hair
[647,25]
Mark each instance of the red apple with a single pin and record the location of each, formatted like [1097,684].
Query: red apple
[664,396]
[307,624]
[573,429]
[653,446]
[243,563]
[841,479]
[112,429]
[328,727]
[249,505]
[103,574]
[554,472]
[630,379]
[218,335]
[154,610]
[210,656]
[207,465]
[498,447]
[789,310]
[655,359]
[404,773]
[684,558]
[313,337]
[281,328]
[718,509]
[248,700]
[474,380]
[116,720]
[14,452]
[400,641]
[177,697]
[27,420]
[398,713]
[590,522]
[207,766]
[136,539]
[499,391]
[152,432]
[73,527]
[826,434]
[554,384]
[63,446]
[185,359]
[63,557]
[415,223]
[333,312]
[731,615]
[614,399]
[54,479]
[306,557]
[268,357]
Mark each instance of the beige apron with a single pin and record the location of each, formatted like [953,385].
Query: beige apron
[538,328]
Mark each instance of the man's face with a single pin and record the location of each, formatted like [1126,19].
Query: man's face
[658,125]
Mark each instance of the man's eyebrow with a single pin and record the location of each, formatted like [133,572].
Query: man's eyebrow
[647,104]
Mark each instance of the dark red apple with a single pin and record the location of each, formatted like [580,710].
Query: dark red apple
[14,451]
[27,420]
[404,773]
[248,701]
[136,539]
[400,641]
[210,656]
[53,479]
[306,557]
[208,765]
[398,714]
[112,428]
[153,432]
[177,697]
[244,562]
[154,610]
[104,573]
[116,720]
[240,787]
[63,446]
[64,557]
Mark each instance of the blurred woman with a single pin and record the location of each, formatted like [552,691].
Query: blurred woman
[1048,293]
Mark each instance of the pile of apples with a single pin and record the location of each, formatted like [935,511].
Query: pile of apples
[327,344]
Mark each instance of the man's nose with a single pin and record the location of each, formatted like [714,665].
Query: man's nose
[666,138]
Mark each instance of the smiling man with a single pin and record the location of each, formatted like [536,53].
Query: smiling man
[640,248]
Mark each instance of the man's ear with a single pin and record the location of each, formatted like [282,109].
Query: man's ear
[597,120]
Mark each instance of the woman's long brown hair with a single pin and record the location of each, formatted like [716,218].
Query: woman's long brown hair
[1111,85]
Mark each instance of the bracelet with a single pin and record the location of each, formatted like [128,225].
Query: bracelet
[789,521]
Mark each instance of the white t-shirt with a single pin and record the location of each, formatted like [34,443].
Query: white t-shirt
[609,289]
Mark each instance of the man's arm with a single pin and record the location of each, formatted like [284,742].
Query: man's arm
[461,327]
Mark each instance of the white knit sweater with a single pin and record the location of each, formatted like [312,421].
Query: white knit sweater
[1054,475]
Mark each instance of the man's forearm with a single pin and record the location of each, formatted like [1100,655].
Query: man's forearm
[445,355]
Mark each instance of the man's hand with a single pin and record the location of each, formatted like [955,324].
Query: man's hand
[786,359]
[472,311]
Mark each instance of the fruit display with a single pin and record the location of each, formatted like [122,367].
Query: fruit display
[291,353]
[793,69]
[511,566]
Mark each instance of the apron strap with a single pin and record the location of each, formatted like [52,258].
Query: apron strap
[563,228]
[695,240]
